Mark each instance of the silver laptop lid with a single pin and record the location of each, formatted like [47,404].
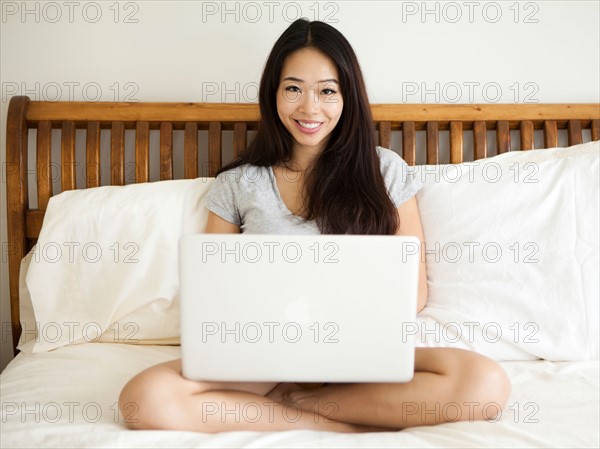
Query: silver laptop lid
[284,308]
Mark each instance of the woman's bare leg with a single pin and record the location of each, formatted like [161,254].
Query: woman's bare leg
[161,398]
[448,385]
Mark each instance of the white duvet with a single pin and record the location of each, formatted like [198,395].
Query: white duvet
[68,398]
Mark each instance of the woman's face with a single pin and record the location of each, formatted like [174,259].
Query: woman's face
[309,101]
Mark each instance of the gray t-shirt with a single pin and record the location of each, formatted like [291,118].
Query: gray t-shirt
[248,196]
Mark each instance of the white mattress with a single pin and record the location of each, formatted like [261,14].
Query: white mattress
[552,404]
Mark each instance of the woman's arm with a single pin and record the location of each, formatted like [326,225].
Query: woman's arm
[410,224]
[217,225]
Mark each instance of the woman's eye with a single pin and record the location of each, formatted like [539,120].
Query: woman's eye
[328,92]
[292,89]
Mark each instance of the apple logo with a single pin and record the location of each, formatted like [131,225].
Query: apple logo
[298,311]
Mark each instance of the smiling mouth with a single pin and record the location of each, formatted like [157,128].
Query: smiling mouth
[308,125]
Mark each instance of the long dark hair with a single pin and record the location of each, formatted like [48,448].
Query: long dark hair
[344,188]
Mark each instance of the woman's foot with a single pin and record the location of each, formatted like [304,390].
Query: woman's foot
[293,395]
[281,392]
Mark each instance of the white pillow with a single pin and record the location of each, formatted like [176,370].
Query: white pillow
[516,242]
[106,262]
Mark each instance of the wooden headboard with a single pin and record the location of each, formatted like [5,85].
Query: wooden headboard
[24,223]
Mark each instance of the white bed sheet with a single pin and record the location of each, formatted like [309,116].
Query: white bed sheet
[68,398]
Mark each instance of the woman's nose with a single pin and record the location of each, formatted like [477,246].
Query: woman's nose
[310,102]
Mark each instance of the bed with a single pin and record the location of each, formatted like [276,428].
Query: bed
[510,214]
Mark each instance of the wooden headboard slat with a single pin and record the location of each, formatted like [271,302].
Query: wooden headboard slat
[595,129]
[240,138]
[480,140]
[142,151]
[214,148]
[117,154]
[33,222]
[433,143]
[92,155]
[502,137]
[166,151]
[550,134]
[385,134]
[574,130]
[43,164]
[190,151]
[67,156]
[409,143]
[526,128]
[214,119]
[456,142]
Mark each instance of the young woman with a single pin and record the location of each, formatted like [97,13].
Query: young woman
[313,168]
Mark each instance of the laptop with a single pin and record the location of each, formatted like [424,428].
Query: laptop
[298,308]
